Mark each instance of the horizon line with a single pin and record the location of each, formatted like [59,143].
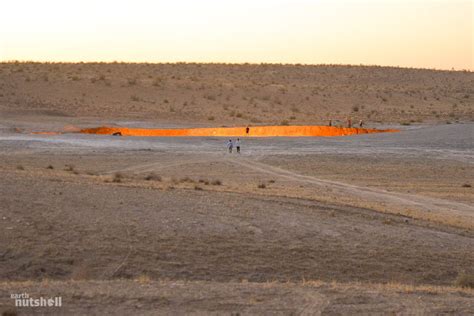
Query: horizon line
[19,61]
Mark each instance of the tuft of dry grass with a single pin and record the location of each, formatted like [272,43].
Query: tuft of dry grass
[143,279]
[118,177]
[153,177]
[20,167]
[198,188]
[69,168]
[466,185]
[216,182]
[465,281]
[262,186]
[186,179]
[50,167]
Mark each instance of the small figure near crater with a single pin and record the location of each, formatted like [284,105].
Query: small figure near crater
[237,145]
[230,146]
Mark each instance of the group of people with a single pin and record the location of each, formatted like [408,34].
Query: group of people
[231,144]
[349,123]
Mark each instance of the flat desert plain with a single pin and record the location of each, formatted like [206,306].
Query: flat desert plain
[363,224]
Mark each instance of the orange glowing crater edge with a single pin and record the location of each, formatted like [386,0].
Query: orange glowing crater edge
[253,131]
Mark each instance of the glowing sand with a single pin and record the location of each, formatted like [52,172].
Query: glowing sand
[254,131]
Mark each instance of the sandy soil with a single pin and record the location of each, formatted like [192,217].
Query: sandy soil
[374,224]
[237,95]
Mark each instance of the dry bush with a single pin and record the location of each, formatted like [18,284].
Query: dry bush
[211,118]
[216,182]
[69,168]
[204,181]
[117,177]
[143,279]
[186,179]
[198,188]
[153,177]
[465,280]
[285,123]
[262,186]
[466,185]
[50,167]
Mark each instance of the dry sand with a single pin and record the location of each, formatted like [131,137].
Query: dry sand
[378,224]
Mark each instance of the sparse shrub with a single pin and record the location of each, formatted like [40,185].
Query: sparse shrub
[238,114]
[50,167]
[134,98]
[153,177]
[211,118]
[216,182]
[210,97]
[75,78]
[132,82]
[205,182]
[117,177]
[187,179]
[285,123]
[143,279]
[355,108]
[405,123]
[466,185]
[465,280]
[69,168]
[198,188]
[20,167]
[271,181]
[262,186]
[166,101]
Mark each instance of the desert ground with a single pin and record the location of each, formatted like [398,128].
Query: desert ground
[363,224]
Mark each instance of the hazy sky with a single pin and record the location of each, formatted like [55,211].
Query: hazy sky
[411,33]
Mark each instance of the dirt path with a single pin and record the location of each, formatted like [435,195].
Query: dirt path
[427,203]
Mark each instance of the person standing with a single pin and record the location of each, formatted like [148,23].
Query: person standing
[237,145]
[230,146]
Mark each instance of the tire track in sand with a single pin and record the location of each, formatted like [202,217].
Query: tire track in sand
[426,203]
